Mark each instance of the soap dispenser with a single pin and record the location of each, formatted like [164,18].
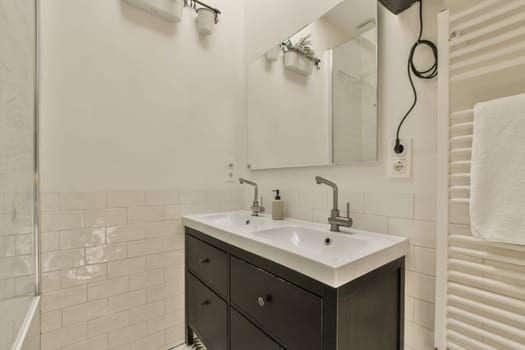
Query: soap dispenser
[277,206]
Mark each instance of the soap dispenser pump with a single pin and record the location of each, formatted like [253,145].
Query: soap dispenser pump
[277,206]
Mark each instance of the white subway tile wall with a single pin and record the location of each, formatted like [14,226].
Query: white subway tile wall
[112,266]
[112,273]
[403,214]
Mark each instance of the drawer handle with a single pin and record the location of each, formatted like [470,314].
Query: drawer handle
[204,261]
[262,301]
[204,303]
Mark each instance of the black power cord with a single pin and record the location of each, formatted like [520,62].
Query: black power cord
[427,74]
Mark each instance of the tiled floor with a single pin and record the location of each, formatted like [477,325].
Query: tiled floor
[183,347]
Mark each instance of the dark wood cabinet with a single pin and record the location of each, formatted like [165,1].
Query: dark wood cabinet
[236,300]
[245,335]
[209,264]
[207,314]
[291,314]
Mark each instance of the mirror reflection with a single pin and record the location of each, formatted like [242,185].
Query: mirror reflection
[312,98]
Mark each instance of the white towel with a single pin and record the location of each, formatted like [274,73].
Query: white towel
[497,199]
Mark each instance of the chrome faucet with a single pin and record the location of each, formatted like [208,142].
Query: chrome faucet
[256,208]
[335,220]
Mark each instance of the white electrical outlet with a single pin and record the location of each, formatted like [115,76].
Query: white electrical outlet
[231,174]
[400,165]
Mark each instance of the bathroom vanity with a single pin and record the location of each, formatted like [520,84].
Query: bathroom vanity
[253,283]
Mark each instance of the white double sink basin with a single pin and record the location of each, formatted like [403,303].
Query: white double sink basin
[309,248]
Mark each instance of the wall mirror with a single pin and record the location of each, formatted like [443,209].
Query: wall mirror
[312,97]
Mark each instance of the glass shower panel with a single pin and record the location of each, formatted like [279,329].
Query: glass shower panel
[17,175]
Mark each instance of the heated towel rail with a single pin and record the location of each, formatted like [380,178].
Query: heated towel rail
[480,292]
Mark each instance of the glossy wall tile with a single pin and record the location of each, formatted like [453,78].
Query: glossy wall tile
[112,266]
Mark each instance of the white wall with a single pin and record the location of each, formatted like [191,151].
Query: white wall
[130,101]
[138,117]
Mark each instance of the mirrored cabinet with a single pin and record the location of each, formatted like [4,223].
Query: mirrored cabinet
[312,98]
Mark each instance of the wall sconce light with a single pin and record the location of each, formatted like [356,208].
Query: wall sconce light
[207,16]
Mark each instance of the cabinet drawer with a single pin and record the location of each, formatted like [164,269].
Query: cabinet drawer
[288,313]
[244,335]
[208,263]
[207,314]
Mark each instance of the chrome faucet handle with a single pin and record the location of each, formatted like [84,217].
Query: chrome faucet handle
[336,220]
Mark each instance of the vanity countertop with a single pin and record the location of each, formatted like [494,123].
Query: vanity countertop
[309,248]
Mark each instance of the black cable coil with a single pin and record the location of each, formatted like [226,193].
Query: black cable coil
[427,74]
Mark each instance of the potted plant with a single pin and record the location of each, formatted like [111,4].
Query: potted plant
[300,57]
[206,18]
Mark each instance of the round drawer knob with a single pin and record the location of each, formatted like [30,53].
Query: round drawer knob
[263,300]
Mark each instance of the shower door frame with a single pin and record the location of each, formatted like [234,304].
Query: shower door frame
[36,158]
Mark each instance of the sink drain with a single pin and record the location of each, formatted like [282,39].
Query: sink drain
[247,222]
[327,241]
